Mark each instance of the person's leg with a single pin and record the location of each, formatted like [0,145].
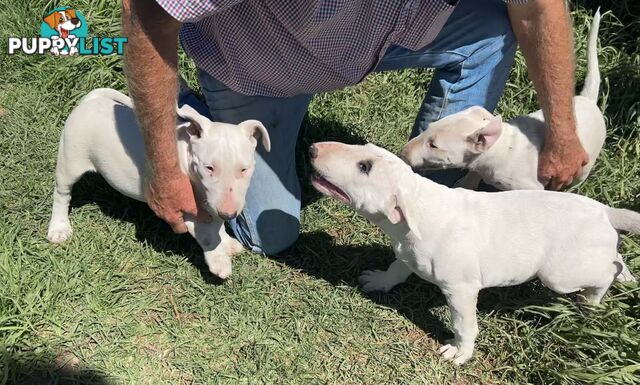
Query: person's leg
[270,221]
[472,55]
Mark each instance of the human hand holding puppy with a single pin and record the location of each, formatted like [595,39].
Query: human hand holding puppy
[561,160]
[170,195]
[543,31]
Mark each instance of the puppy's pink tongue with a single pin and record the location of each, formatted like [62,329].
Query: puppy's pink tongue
[328,188]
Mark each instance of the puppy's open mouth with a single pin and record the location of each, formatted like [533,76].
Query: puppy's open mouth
[328,188]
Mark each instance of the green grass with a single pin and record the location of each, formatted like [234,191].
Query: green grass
[125,301]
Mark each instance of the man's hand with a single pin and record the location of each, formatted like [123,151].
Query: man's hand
[561,161]
[172,196]
[543,30]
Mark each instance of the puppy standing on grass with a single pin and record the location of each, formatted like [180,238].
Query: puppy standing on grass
[464,241]
[505,155]
[102,135]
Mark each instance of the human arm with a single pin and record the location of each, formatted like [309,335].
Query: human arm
[150,62]
[543,30]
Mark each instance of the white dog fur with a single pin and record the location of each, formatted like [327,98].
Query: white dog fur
[463,241]
[505,155]
[102,135]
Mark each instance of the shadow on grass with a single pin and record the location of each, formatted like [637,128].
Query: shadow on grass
[149,229]
[316,254]
[623,105]
[63,369]
[627,12]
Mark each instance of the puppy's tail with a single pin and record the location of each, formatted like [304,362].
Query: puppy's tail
[108,93]
[592,80]
[623,219]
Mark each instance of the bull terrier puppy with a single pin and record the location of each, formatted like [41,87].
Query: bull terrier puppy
[101,135]
[505,154]
[463,240]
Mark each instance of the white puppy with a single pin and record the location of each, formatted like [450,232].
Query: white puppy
[102,135]
[505,155]
[463,240]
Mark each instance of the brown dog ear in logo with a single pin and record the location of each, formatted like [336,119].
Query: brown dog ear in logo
[52,20]
[71,13]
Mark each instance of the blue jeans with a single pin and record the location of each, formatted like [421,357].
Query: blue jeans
[472,55]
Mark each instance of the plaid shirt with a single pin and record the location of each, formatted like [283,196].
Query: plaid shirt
[288,47]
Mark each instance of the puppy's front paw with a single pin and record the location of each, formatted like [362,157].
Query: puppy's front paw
[233,246]
[59,232]
[459,355]
[219,265]
[375,280]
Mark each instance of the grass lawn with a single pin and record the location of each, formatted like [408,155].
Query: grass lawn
[125,301]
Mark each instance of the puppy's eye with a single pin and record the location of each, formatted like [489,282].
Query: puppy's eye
[211,169]
[364,166]
[244,169]
[432,144]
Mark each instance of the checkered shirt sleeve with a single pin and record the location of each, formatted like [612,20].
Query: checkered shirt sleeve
[194,10]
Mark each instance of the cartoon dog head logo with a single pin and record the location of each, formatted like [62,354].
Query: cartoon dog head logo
[64,23]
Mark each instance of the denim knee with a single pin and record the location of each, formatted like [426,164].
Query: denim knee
[272,232]
[284,235]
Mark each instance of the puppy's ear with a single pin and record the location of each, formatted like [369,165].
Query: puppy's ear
[192,120]
[255,129]
[485,137]
[397,212]
[71,13]
[51,20]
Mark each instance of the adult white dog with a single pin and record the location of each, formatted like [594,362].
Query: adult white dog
[505,155]
[102,135]
[463,240]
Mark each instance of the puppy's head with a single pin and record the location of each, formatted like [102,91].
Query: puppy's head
[367,178]
[454,141]
[221,159]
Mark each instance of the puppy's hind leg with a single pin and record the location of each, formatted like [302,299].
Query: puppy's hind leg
[618,272]
[593,295]
[68,171]
[462,302]
[378,280]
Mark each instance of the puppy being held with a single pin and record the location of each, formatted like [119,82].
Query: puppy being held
[463,240]
[505,155]
[102,135]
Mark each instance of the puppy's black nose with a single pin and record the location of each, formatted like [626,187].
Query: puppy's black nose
[313,151]
[75,20]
